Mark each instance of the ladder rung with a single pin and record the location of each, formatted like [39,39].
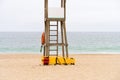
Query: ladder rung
[53,25]
[53,35]
[53,30]
[53,50]
[53,40]
[56,44]
[52,54]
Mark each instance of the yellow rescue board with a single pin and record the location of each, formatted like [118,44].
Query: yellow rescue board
[53,60]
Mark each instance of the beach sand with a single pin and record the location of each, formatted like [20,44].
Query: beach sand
[88,67]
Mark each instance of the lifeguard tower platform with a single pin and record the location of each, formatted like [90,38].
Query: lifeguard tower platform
[55,35]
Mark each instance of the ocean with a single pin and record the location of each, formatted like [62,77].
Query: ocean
[78,42]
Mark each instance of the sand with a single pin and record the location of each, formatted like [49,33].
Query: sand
[88,67]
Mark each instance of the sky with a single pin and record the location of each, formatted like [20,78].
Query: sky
[82,15]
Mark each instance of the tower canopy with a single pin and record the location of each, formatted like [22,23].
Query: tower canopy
[55,12]
[55,8]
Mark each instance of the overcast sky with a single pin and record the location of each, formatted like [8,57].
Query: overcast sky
[82,15]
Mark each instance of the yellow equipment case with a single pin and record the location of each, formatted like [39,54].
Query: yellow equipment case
[52,60]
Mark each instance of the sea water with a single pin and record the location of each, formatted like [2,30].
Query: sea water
[78,42]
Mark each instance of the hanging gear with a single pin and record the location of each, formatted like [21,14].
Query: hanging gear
[42,41]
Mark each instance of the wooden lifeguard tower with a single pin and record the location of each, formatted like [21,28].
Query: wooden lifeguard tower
[55,35]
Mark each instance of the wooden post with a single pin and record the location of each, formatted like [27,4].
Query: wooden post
[57,37]
[46,26]
[65,37]
[62,3]
[46,9]
[65,10]
[47,37]
[62,38]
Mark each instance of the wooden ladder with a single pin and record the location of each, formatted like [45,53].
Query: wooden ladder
[53,38]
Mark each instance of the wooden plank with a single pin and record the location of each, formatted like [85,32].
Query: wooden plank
[53,40]
[65,36]
[53,25]
[52,55]
[56,19]
[62,3]
[47,38]
[53,50]
[53,35]
[53,30]
[46,9]
[57,38]
[65,9]
[56,44]
[62,39]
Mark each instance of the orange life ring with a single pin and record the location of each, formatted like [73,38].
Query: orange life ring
[43,38]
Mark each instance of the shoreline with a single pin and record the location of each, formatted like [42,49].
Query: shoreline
[69,53]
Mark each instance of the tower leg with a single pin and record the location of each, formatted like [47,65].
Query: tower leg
[57,37]
[47,39]
[63,54]
[44,51]
[65,36]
